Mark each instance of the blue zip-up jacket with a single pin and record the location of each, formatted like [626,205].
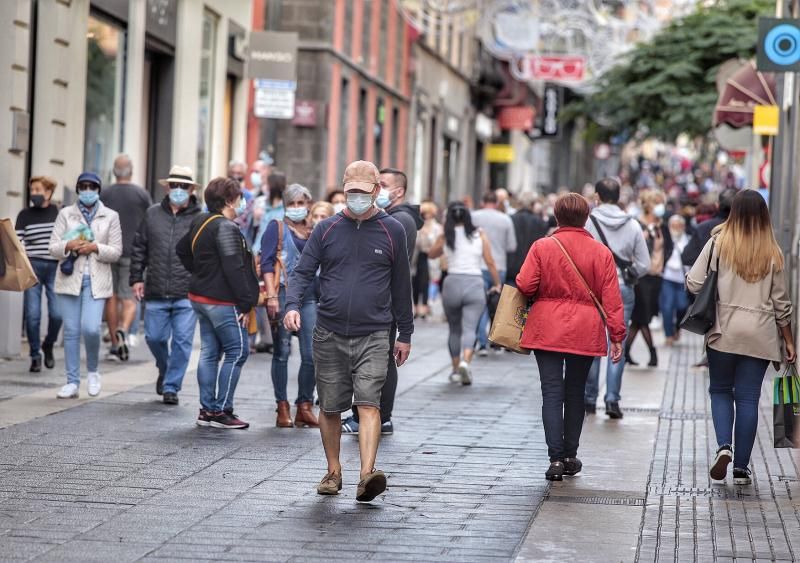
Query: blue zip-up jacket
[365,278]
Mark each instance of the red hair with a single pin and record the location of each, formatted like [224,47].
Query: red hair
[571,210]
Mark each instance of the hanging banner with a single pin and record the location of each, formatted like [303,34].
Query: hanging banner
[500,153]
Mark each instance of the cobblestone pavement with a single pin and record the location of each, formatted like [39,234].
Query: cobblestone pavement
[687,517]
[125,478]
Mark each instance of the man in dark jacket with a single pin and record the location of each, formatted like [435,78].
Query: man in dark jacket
[169,314]
[703,231]
[365,288]
[528,228]
[392,199]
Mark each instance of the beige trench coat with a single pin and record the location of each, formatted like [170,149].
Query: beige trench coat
[107,235]
[748,314]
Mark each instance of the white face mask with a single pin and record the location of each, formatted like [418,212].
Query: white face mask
[339,207]
[659,210]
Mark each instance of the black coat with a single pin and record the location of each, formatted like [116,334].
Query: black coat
[701,236]
[528,228]
[221,264]
[153,257]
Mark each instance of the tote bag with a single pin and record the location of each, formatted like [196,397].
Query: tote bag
[702,313]
[509,320]
[16,273]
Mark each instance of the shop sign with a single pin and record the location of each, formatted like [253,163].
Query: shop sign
[559,68]
[483,127]
[273,55]
[519,118]
[551,107]
[305,114]
[765,120]
[274,99]
[499,153]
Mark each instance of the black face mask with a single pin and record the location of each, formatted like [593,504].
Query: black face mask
[37,200]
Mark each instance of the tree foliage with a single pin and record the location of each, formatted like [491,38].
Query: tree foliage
[668,85]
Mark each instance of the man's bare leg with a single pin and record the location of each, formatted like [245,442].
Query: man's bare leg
[128,314]
[330,428]
[112,320]
[369,434]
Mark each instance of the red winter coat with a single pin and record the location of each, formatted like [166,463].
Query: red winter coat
[563,317]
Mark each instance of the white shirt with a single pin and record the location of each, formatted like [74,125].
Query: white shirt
[467,257]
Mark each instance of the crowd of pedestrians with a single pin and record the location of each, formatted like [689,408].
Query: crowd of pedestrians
[259,261]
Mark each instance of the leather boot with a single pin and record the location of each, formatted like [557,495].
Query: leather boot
[653,358]
[304,417]
[284,419]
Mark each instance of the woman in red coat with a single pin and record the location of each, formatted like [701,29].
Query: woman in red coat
[564,327]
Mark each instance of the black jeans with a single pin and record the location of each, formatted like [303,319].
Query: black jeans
[389,386]
[563,379]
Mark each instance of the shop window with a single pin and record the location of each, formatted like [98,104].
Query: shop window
[206,97]
[104,90]
[380,120]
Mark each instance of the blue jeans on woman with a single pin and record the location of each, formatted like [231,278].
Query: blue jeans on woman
[45,271]
[673,302]
[169,331]
[83,315]
[280,356]
[735,389]
[220,335]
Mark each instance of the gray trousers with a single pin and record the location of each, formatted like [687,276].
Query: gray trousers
[464,299]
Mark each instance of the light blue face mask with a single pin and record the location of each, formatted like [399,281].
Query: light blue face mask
[255,179]
[358,204]
[383,199]
[88,197]
[178,196]
[296,214]
[242,207]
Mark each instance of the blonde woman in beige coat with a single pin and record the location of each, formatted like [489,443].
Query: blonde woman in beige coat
[753,321]
[83,289]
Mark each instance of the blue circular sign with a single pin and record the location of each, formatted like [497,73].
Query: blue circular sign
[782,45]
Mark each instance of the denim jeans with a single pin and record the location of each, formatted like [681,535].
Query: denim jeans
[563,378]
[166,319]
[735,388]
[613,371]
[281,343]
[673,302]
[83,315]
[220,335]
[483,325]
[45,271]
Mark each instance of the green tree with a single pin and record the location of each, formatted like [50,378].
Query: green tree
[667,86]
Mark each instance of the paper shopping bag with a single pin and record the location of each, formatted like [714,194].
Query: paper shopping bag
[509,320]
[18,275]
[786,409]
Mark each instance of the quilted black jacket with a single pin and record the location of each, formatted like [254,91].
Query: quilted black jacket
[154,252]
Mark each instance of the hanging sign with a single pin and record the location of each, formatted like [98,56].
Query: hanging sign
[274,99]
[558,68]
[551,106]
[499,153]
[765,120]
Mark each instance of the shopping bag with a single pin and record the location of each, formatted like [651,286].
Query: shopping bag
[19,274]
[702,312]
[509,320]
[786,409]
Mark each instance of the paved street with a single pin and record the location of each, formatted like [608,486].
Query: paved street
[125,478]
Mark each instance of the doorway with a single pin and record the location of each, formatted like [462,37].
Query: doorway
[158,88]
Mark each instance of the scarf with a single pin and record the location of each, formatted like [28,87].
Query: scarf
[88,213]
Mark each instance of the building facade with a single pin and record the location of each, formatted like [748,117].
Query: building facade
[160,80]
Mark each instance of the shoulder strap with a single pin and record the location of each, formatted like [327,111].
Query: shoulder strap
[599,230]
[617,260]
[596,301]
[279,265]
[711,255]
[203,226]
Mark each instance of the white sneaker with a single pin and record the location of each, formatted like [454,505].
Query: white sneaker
[94,384]
[69,391]
[133,340]
[482,351]
[465,373]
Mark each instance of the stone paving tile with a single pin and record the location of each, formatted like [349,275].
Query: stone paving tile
[689,517]
[148,485]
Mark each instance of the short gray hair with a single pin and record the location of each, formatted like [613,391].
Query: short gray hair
[527,199]
[293,191]
[123,167]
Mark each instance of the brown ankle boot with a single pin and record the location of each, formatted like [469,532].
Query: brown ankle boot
[284,419]
[304,417]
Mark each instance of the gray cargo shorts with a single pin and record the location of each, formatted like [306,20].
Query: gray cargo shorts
[121,275]
[350,370]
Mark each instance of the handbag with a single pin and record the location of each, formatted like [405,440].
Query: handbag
[17,272]
[629,275]
[786,409]
[595,300]
[702,313]
[509,320]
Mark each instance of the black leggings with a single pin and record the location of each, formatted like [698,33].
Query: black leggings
[422,279]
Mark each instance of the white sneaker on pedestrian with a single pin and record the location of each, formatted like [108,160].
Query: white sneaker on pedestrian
[69,391]
[133,340]
[483,351]
[94,384]
[465,373]
[112,355]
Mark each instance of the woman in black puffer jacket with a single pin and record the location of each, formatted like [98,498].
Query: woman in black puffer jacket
[223,290]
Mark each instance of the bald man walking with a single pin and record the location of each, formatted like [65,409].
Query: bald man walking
[130,201]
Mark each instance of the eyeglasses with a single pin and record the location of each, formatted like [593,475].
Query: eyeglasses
[83,186]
